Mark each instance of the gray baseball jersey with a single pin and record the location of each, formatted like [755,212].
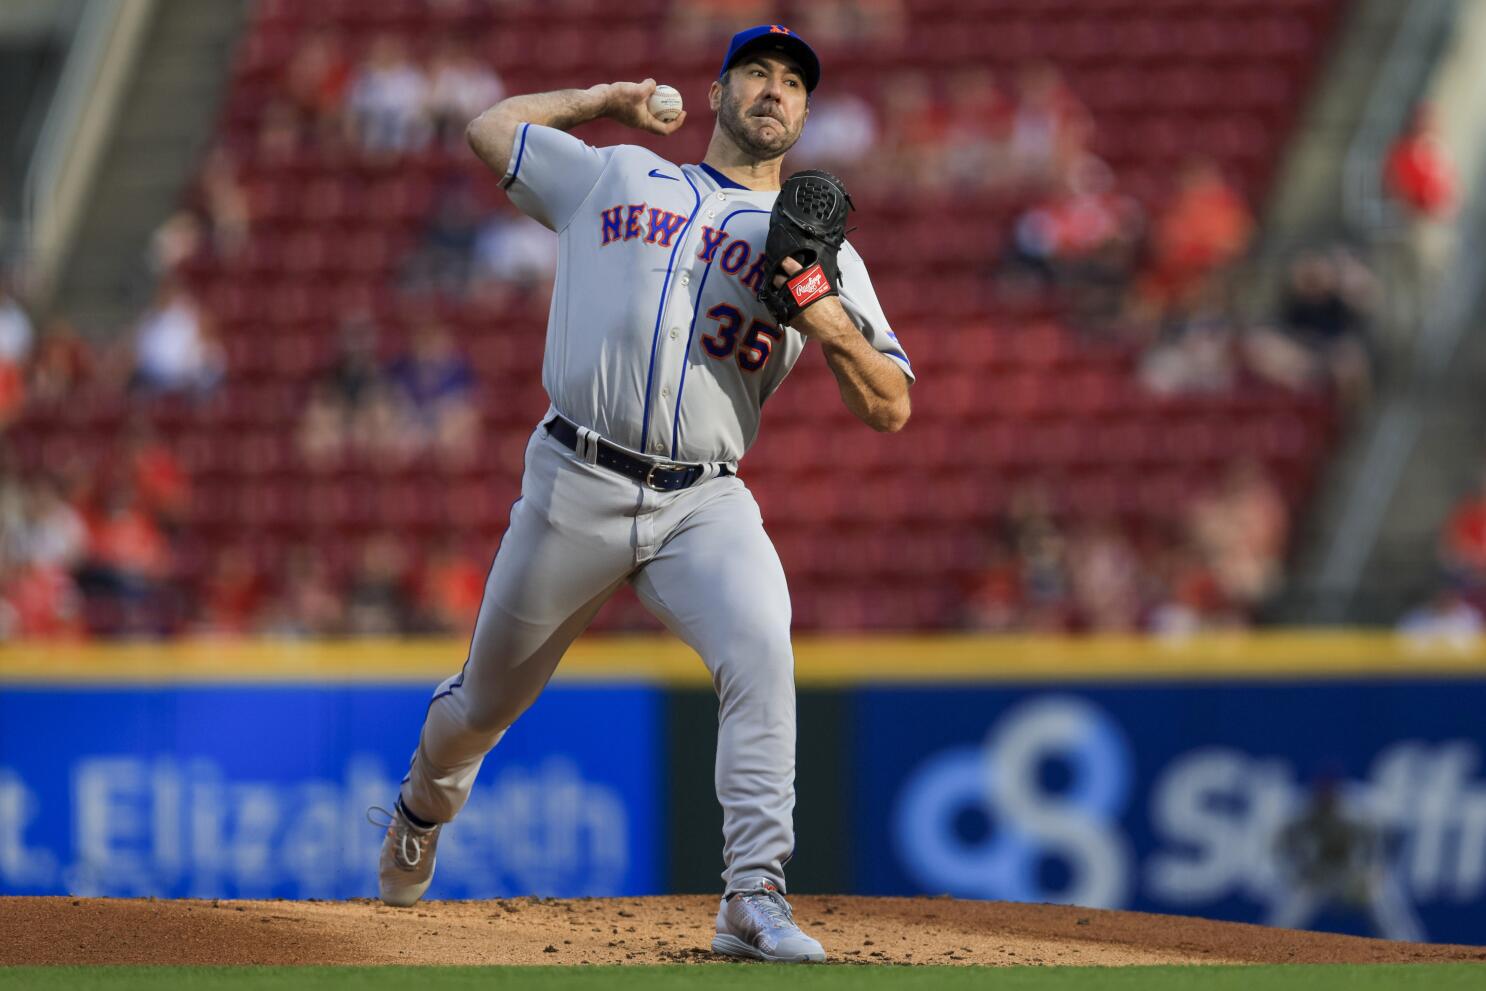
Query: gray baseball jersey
[655,343]
[655,340]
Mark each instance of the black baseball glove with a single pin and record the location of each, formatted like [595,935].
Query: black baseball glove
[808,224]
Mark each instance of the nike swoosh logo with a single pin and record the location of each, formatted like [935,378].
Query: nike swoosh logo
[657,174]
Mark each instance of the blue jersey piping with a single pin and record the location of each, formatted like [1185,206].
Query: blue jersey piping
[660,311]
[520,151]
[721,179]
[692,330]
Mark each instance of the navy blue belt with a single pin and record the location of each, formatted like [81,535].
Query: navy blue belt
[662,476]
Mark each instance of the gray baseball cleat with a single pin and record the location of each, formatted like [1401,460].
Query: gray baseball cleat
[758,923]
[406,868]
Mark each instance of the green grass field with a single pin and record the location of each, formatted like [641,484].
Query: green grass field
[746,977]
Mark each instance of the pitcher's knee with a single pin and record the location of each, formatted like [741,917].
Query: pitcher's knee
[492,716]
[756,659]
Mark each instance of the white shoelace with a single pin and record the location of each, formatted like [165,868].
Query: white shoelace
[405,834]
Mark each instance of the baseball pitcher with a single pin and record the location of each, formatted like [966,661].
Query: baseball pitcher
[684,294]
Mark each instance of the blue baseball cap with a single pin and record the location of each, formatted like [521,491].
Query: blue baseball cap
[775,37]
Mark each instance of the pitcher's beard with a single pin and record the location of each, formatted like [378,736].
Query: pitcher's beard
[734,122]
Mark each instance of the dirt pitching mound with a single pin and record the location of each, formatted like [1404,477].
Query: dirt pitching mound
[676,929]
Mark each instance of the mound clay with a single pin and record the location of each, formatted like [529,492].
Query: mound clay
[647,931]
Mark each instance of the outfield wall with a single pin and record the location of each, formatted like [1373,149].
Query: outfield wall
[1109,772]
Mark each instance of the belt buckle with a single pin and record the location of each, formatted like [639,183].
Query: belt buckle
[660,466]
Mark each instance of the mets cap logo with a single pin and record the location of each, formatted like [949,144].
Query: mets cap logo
[778,29]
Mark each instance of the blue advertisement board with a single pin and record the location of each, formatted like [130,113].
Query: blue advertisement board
[254,791]
[1184,798]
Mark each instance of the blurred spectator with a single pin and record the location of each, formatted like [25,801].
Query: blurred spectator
[17,334]
[308,604]
[1462,546]
[38,600]
[513,252]
[12,393]
[977,130]
[376,598]
[995,602]
[1320,340]
[1189,599]
[353,408]
[155,473]
[851,22]
[914,127]
[388,432]
[224,202]
[450,588]
[1195,350]
[461,87]
[441,262]
[841,135]
[435,384]
[233,594]
[1448,619]
[63,362]
[175,347]
[1205,227]
[40,540]
[1327,297]
[1242,528]
[1050,127]
[323,435]
[1421,179]
[1080,240]
[278,134]
[178,239]
[128,560]
[698,24]
[356,371]
[52,532]
[1419,174]
[316,80]
[388,101]
[1042,551]
[1104,578]
[17,339]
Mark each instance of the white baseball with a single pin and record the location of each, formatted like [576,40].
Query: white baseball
[665,103]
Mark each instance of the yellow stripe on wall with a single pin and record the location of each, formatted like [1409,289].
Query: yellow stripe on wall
[1290,654]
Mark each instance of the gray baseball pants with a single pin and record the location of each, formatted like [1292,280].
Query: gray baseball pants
[700,561]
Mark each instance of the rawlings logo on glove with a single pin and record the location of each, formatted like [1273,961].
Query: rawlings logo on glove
[807,224]
[810,285]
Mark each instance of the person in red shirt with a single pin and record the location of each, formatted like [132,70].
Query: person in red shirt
[1419,174]
[233,595]
[42,603]
[1204,227]
[450,588]
[1420,178]
[316,80]
[128,562]
[156,473]
[1463,542]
